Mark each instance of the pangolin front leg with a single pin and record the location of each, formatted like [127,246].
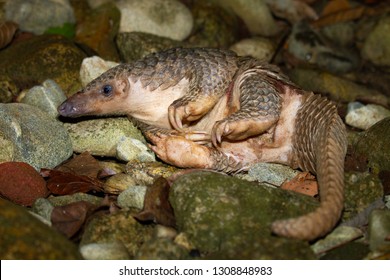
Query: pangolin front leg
[259,110]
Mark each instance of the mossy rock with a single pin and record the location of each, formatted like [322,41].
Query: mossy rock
[25,237]
[229,218]
[35,60]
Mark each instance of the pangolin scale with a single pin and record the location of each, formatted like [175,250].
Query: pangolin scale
[209,108]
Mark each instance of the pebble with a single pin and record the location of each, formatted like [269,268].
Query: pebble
[376,47]
[379,230]
[21,183]
[133,149]
[271,173]
[364,116]
[257,47]
[47,97]
[119,227]
[255,14]
[118,183]
[104,251]
[132,197]
[167,18]
[93,67]
[36,137]
[37,16]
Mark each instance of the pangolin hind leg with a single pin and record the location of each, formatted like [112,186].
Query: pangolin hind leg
[260,105]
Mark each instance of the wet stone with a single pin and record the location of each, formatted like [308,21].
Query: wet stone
[229,218]
[24,237]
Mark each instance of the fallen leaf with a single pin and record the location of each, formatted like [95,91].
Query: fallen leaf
[62,183]
[70,218]
[82,164]
[303,183]
[21,183]
[157,208]
[7,32]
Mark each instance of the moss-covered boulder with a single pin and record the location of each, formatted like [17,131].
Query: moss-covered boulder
[24,237]
[228,218]
[31,62]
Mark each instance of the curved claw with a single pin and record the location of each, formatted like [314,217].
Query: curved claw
[174,118]
[219,130]
[200,137]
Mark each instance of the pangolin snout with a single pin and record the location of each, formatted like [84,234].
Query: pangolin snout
[67,109]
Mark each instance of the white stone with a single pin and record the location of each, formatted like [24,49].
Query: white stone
[166,18]
[93,67]
[132,197]
[104,251]
[132,149]
[260,48]
[37,16]
[363,117]
[255,14]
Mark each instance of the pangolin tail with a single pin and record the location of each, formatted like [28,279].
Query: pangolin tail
[320,145]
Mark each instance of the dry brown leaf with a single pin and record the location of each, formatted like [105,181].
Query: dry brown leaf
[7,32]
[63,183]
[82,164]
[303,183]
[70,218]
[157,208]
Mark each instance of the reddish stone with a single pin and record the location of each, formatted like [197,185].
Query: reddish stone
[21,183]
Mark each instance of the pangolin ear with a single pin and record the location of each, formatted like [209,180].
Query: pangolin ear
[124,86]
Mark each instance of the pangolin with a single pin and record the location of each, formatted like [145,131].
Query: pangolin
[209,108]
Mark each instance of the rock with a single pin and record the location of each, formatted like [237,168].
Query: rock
[68,199]
[47,97]
[108,251]
[379,230]
[364,117]
[43,207]
[52,13]
[374,145]
[337,87]
[33,61]
[118,183]
[144,173]
[255,14]
[167,18]
[101,136]
[37,139]
[230,218]
[98,29]
[135,45]
[361,190]
[132,197]
[93,67]
[213,27]
[338,237]
[257,47]
[307,46]
[376,47]
[121,228]
[25,237]
[271,173]
[162,249]
[96,3]
[133,149]
[8,89]
[21,183]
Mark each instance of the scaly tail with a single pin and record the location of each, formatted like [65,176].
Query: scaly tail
[320,146]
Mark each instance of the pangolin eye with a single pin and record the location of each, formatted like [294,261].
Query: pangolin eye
[107,89]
